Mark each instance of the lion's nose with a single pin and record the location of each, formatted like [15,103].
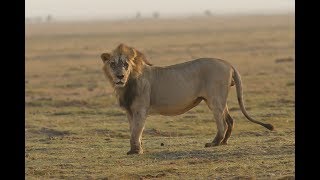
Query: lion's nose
[120,76]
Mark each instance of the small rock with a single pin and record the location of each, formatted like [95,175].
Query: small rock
[162,144]
[281,60]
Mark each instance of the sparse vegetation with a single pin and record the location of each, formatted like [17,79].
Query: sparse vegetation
[75,130]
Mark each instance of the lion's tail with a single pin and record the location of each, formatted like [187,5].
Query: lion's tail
[237,79]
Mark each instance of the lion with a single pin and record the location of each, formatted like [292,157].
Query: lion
[143,89]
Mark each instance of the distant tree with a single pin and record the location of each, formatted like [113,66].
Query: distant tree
[138,15]
[49,18]
[155,15]
[207,13]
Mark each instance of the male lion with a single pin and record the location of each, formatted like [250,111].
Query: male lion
[144,89]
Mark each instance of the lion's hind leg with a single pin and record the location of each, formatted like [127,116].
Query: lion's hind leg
[216,99]
[219,116]
[230,123]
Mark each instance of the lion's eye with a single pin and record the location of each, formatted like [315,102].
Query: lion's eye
[125,64]
[113,64]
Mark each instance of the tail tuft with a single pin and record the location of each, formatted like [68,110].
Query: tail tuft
[269,126]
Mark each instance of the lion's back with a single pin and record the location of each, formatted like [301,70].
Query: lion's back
[205,62]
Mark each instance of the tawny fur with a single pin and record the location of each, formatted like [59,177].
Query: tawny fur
[172,90]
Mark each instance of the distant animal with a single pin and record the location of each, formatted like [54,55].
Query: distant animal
[143,89]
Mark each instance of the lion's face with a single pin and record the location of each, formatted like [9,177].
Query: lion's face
[118,69]
[122,63]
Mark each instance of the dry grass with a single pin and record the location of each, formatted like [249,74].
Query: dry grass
[74,128]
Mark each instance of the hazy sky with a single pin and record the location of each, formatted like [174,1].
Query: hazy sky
[128,8]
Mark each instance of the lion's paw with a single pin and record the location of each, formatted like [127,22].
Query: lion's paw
[135,152]
[224,143]
[211,144]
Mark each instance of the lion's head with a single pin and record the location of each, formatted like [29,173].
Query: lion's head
[122,64]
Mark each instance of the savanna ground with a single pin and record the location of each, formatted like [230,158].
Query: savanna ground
[75,130]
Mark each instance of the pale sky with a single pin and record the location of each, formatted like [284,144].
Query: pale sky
[110,9]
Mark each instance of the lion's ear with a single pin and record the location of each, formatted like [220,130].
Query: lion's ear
[128,51]
[105,57]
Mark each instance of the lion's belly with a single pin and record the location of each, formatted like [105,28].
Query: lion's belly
[174,108]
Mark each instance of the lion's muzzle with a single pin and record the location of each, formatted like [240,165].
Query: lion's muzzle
[120,76]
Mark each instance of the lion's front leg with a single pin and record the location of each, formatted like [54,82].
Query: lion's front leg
[136,126]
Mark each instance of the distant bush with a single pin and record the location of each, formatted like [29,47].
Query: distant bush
[138,15]
[207,13]
[156,15]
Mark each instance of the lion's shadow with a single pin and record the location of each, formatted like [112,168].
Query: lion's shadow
[199,154]
[228,153]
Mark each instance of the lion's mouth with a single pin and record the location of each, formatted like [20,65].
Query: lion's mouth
[120,83]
